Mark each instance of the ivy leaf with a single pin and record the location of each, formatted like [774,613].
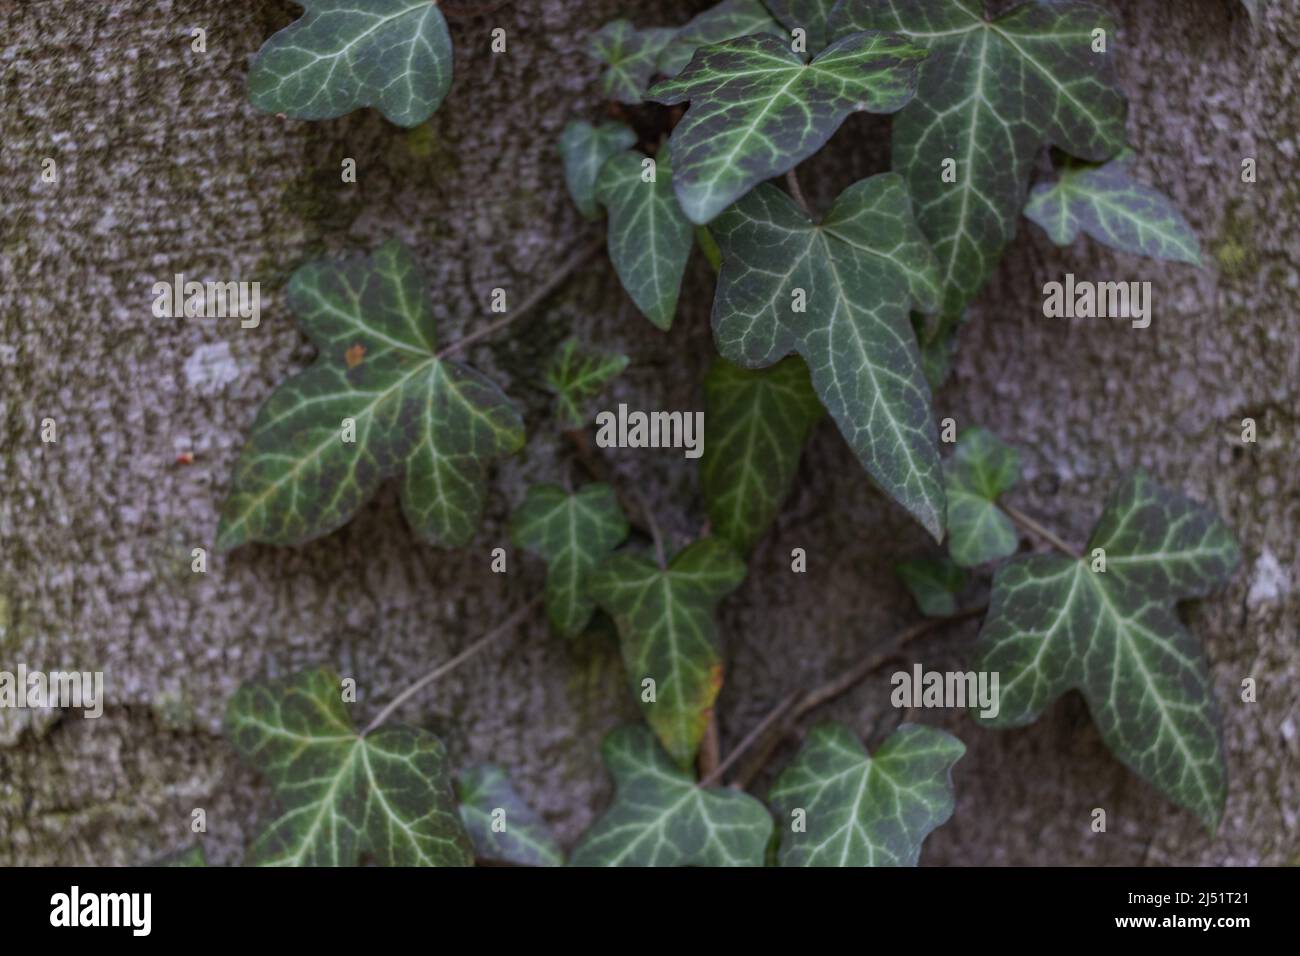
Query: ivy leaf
[757,109]
[583,150]
[856,273]
[991,95]
[386,795]
[934,584]
[755,426]
[809,15]
[649,237]
[192,855]
[666,629]
[661,818]
[981,469]
[863,810]
[573,533]
[526,839]
[433,420]
[631,56]
[725,21]
[1116,210]
[394,55]
[576,375]
[1054,624]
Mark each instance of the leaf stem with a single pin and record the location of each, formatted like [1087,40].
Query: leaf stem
[1027,523]
[556,278]
[502,629]
[654,529]
[775,714]
[796,191]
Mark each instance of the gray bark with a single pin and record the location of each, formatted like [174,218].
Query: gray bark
[164,168]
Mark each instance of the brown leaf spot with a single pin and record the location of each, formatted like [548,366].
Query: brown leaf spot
[354,355]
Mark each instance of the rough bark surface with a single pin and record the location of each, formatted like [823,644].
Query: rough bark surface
[164,168]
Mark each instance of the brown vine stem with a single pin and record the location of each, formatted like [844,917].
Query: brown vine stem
[783,718]
[501,630]
[540,293]
[1027,523]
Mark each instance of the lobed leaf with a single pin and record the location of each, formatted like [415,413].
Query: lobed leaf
[525,838]
[573,533]
[584,148]
[385,796]
[934,584]
[981,469]
[630,55]
[576,375]
[394,55]
[811,16]
[434,421]
[1054,624]
[725,21]
[660,817]
[859,272]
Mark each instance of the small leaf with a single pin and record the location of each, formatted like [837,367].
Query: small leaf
[1055,624]
[856,274]
[386,796]
[758,110]
[934,584]
[981,469]
[573,533]
[1113,208]
[665,625]
[576,375]
[661,818]
[394,55]
[862,810]
[526,839]
[755,426]
[993,92]
[725,21]
[649,237]
[192,855]
[583,150]
[808,15]
[432,420]
[631,56]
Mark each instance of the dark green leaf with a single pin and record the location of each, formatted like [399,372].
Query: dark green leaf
[755,426]
[431,419]
[631,56]
[934,584]
[573,533]
[649,237]
[386,796]
[862,810]
[808,15]
[859,271]
[1113,208]
[1055,624]
[661,818]
[584,149]
[757,109]
[981,469]
[394,55]
[576,375]
[726,21]
[502,826]
[992,93]
[665,625]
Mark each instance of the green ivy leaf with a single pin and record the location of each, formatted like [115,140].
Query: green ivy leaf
[1054,624]
[526,839]
[755,426]
[661,818]
[665,625]
[631,56]
[394,55]
[992,93]
[577,374]
[573,533]
[979,472]
[649,238]
[192,855]
[809,15]
[860,270]
[757,109]
[863,810]
[386,795]
[725,21]
[1116,210]
[431,419]
[934,584]
[583,150]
